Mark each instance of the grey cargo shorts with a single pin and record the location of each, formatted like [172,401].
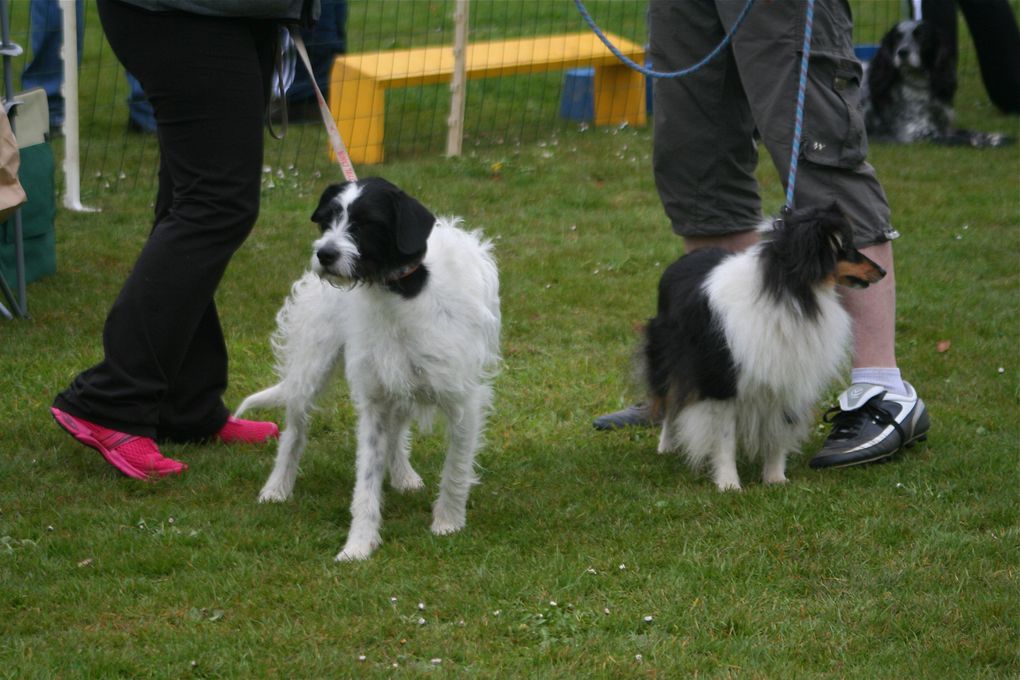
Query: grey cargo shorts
[705,153]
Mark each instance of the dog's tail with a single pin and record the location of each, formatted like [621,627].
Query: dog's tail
[268,398]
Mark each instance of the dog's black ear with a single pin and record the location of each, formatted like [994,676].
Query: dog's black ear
[833,211]
[322,211]
[833,221]
[830,216]
[414,224]
[881,71]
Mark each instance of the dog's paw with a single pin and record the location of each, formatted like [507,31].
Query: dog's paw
[725,477]
[666,444]
[727,483]
[445,528]
[774,478]
[273,494]
[407,483]
[356,551]
[444,522]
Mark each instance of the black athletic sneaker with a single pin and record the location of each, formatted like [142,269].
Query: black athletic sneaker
[638,415]
[870,425]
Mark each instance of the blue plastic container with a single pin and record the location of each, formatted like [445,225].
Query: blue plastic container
[577,102]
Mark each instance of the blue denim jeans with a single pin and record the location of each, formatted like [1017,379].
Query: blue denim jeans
[324,41]
[46,69]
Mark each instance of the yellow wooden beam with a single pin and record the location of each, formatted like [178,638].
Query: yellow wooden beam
[358,81]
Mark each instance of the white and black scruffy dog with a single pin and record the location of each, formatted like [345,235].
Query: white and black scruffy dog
[411,305]
[909,88]
[743,345]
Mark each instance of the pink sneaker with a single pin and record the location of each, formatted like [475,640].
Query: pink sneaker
[135,456]
[236,430]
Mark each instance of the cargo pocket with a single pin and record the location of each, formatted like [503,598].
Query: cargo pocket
[834,133]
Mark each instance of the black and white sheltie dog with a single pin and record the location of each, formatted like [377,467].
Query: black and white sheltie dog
[410,305]
[909,88]
[743,345]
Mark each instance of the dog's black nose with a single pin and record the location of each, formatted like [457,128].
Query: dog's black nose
[327,255]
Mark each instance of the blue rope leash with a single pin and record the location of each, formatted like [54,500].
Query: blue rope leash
[798,123]
[640,68]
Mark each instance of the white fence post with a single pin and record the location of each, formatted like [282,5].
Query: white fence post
[458,85]
[69,54]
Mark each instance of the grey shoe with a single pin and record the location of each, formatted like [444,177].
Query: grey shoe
[638,415]
[870,425]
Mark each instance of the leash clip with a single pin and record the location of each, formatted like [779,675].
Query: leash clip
[784,213]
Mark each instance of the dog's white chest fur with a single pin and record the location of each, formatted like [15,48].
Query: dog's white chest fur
[424,348]
[778,350]
[915,106]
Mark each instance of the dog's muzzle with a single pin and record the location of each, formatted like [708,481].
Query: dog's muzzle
[329,263]
[336,258]
[859,272]
[327,256]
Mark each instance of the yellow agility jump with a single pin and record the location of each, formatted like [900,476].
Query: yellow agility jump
[358,82]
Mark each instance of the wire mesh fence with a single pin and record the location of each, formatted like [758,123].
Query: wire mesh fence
[505,108]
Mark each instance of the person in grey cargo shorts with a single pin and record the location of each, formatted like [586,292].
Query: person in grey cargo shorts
[706,130]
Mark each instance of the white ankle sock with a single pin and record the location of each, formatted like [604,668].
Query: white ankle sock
[889,378]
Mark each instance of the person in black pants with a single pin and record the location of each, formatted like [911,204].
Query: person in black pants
[164,369]
[996,35]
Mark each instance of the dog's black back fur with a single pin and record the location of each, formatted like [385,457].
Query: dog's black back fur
[686,354]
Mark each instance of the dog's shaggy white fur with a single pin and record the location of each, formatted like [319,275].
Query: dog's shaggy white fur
[405,354]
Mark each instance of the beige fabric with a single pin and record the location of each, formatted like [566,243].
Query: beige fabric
[12,194]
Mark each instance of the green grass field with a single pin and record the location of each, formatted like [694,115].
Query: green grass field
[586,555]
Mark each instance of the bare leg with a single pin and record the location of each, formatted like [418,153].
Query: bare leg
[873,310]
[735,242]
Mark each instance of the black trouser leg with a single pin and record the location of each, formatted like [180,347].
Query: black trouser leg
[165,363]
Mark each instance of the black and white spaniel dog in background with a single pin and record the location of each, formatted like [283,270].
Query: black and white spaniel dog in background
[909,89]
